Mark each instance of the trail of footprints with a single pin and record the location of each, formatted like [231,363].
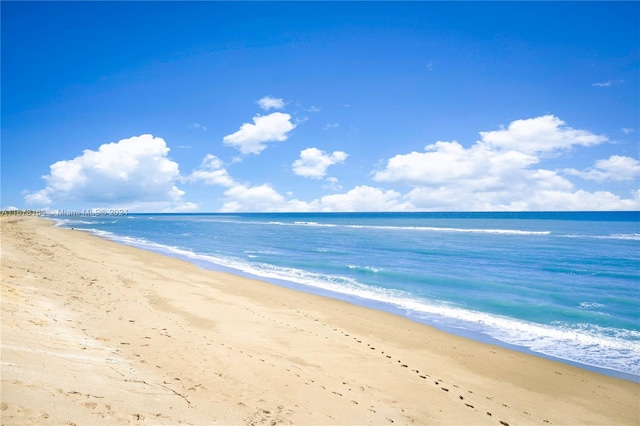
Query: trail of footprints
[421,374]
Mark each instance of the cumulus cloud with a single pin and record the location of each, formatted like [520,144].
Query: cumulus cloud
[133,172]
[251,138]
[614,168]
[362,198]
[243,198]
[211,172]
[535,199]
[313,163]
[541,134]
[256,198]
[268,102]
[499,171]
[580,200]
[261,198]
[493,161]
[449,162]
[502,171]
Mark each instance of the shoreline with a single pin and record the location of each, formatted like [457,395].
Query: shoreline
[95,331]
[379,305]
[392,309]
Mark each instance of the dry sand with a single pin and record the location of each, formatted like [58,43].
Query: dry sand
[94,332]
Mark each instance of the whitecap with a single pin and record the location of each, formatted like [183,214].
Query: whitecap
[589,305]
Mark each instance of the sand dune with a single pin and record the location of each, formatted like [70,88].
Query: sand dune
[94,332]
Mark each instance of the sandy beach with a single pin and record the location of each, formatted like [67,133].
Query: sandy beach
[95,332]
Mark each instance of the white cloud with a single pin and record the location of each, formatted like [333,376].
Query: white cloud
[498,173]
[38,198]
[448,162]
[313,163]
[131,173]
[536,199]
[580,201]
[268,102]
[262,198]
[615,168]
[541,134]
[603,84]
[462,198]
[211,172]
[243,198]
[330,126]
[362,198]
[257,198]
[332,184]
[251,138]
[627,130]
[608,83]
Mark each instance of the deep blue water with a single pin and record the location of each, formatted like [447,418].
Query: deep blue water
[562,285]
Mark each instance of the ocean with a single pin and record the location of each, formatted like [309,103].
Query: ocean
[564,286]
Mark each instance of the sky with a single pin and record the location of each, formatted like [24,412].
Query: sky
[320,106]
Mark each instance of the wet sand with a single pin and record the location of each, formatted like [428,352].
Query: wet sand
[95,332]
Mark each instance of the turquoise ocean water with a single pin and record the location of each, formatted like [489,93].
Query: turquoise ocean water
[560,285]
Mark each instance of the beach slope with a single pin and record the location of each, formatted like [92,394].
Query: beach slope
[95,332]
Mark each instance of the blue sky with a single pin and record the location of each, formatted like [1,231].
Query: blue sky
[317,106]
